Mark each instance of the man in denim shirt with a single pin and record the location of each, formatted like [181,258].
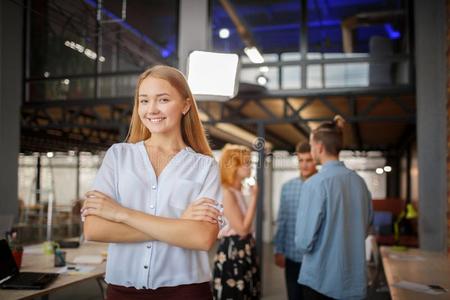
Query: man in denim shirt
[334,214]
[286,255]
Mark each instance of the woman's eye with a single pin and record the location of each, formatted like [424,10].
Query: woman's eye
[143,101]
[163,100]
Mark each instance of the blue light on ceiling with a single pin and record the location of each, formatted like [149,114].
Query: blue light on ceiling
[392,33]
[165,52]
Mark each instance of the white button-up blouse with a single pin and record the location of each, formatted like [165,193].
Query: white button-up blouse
[127,175]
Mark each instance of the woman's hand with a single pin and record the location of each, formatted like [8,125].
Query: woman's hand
[101,205]
[202,209]
[254,191]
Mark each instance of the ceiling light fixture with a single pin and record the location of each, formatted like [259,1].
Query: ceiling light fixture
[213,76]
[262,80]
[224,33]
[86,51]
[254,55]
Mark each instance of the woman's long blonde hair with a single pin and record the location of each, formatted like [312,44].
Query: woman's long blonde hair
[192,129]
[232,157]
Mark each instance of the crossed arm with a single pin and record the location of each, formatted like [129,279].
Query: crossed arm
[108,221]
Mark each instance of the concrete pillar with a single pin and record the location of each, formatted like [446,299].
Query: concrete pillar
[11,87]
[431,76]
[194,29]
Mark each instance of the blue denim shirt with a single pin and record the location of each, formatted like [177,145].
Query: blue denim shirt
[287,215]
[333,217]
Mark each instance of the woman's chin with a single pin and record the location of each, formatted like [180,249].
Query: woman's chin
[158,129]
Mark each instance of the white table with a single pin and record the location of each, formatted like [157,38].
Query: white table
[416,266]
[34,260]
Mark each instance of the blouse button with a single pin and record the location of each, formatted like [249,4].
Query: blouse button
[153,187]
[145,267]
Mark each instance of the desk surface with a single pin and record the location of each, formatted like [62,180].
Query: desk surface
[35,261]
[417,266]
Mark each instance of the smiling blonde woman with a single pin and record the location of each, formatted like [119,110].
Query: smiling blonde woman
[153,198]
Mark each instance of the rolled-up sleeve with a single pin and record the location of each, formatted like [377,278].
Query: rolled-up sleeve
[212,188]
[310,215]
[106,179]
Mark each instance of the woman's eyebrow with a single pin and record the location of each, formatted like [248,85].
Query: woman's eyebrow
[157,95]
[162,94]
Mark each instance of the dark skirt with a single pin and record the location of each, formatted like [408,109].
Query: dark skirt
[236,269]
[196,291]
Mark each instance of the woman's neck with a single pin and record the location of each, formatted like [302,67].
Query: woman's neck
[237,184]
[166,143]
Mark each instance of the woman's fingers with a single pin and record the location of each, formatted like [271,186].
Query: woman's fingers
[205,218]
[92,200]
[207,208]
[204,201]
[94,203]
[96,194]
[89,212]
[206,213]
[95,206]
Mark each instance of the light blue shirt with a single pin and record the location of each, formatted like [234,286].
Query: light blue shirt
[127,175]
[334,214]
[287,215]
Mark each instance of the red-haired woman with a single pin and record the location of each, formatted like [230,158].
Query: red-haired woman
[236,270]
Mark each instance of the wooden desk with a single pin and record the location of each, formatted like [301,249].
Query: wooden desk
[35,261]
[427,268]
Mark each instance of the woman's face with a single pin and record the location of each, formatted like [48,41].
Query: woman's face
[244,170]
[160,106]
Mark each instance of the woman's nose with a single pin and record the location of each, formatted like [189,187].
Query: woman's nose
[152,107]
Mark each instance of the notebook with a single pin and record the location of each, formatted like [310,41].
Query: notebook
[11,278]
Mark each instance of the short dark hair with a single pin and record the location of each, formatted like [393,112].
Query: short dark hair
[303,147]
[330,134]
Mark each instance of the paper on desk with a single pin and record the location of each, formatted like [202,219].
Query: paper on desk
[417,287]
[61,270]
[33,250]
[77,269]
[88,259]
[408,257]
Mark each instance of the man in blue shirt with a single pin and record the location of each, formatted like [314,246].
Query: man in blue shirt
[333,217]
[286,255]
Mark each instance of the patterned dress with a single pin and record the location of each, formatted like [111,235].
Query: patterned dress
[236,267]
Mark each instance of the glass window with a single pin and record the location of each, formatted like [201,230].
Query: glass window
[58,183]
[347,75]
[273,25]
[66,40]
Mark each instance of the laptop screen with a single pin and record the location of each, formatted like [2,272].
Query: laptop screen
[7,263]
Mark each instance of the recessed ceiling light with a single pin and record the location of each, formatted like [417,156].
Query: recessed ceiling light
[224,33]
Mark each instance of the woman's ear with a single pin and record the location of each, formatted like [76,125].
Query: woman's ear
[187,106]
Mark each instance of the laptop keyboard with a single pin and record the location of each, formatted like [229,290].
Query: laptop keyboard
[28,278]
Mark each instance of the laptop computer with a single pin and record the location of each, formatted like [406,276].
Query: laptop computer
[11,278]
